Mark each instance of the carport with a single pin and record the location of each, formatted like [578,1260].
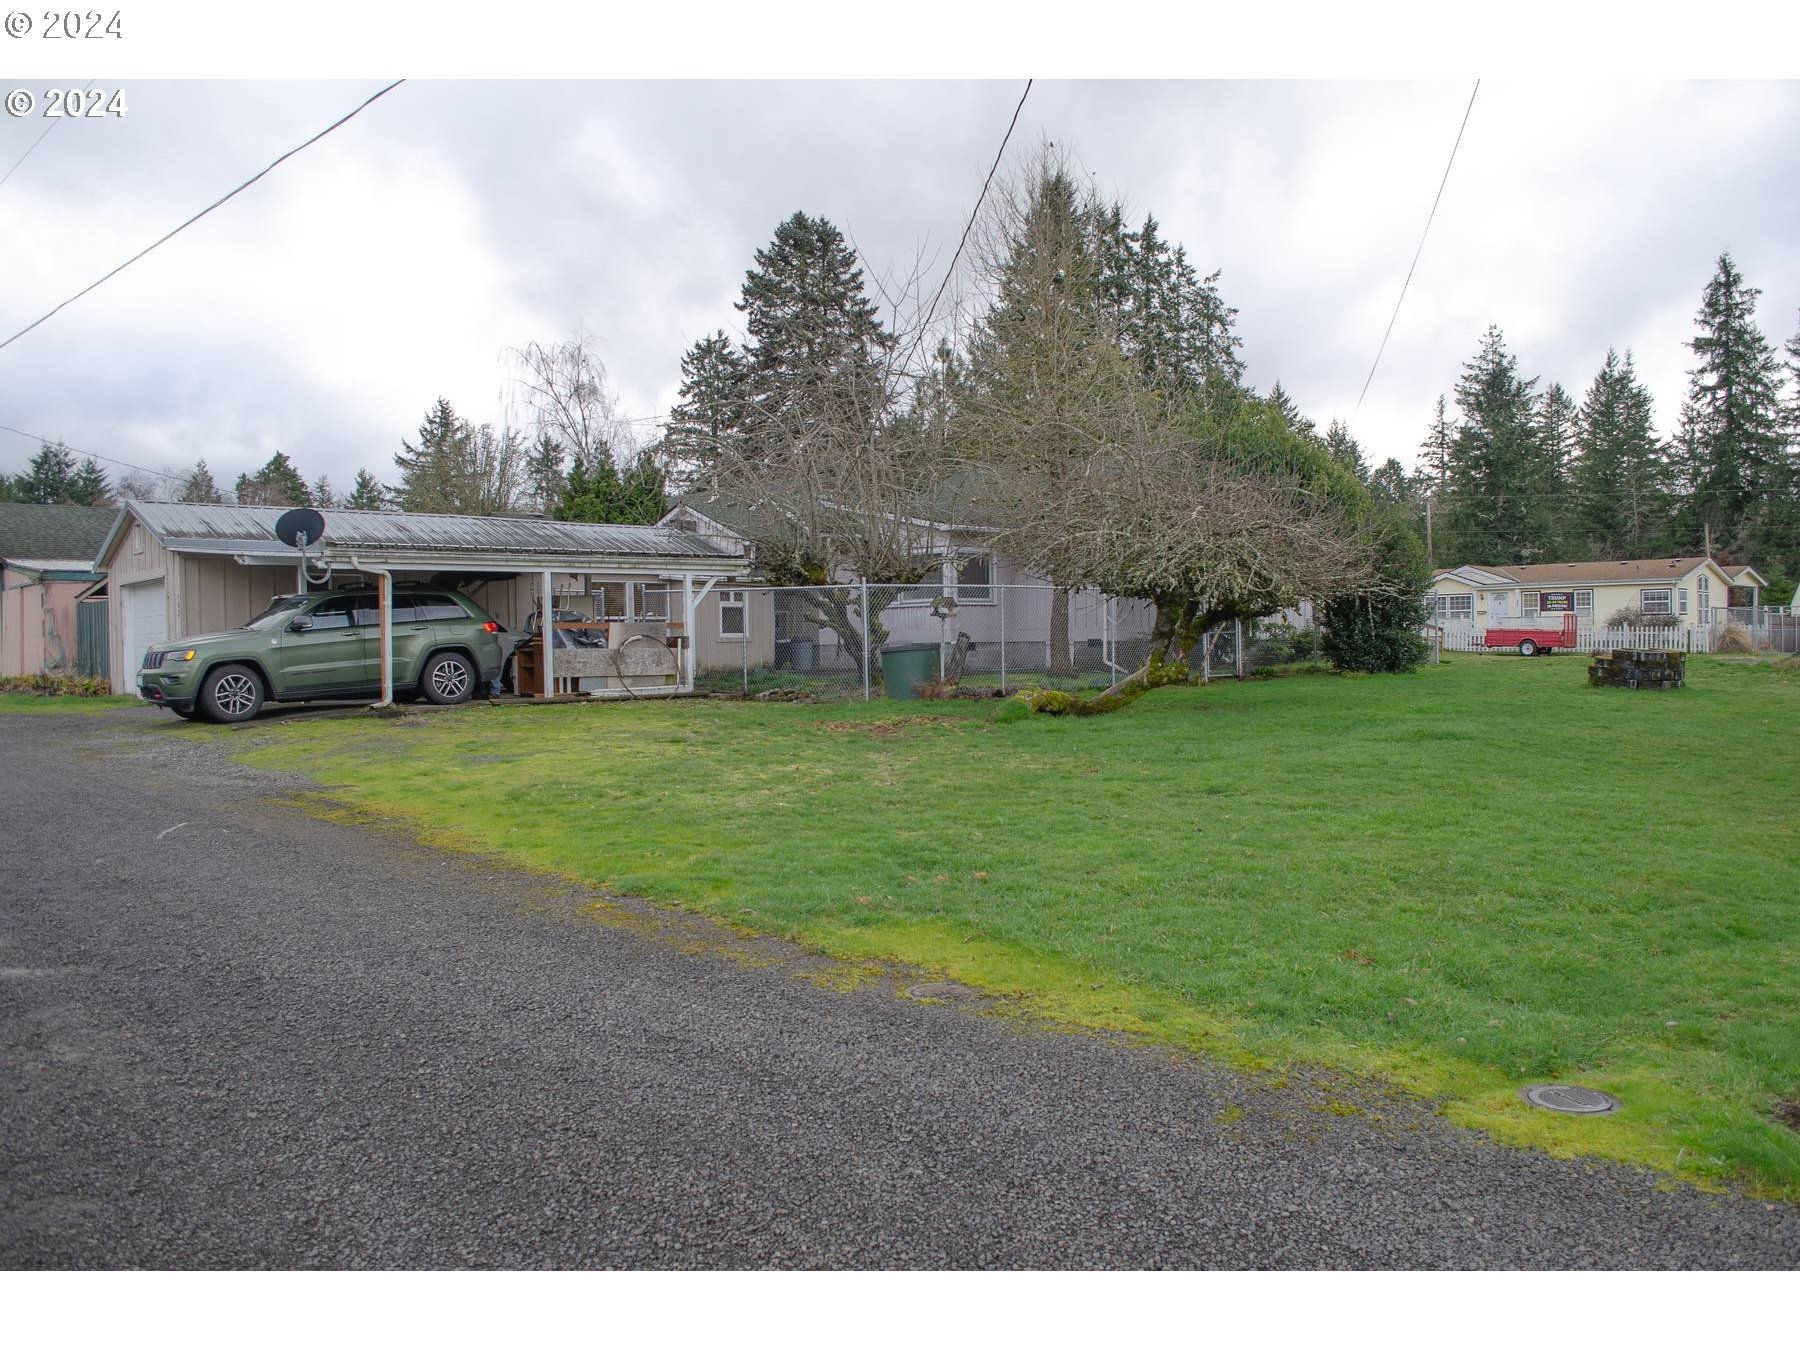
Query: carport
[216,566]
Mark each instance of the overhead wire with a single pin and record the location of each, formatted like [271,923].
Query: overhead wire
[1418,252]
[273,164]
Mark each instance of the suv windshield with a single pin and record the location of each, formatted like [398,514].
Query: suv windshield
[277,613]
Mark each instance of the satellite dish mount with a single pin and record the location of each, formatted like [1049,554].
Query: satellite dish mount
[301,528]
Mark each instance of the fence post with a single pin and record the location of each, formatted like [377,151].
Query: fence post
[865,638]
[1003,641]
[749,604]
[1237,644]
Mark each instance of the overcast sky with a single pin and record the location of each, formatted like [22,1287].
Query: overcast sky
[323,310]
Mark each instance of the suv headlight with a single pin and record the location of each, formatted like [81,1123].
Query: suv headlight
[169,658]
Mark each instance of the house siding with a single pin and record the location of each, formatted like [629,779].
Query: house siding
[1609,597]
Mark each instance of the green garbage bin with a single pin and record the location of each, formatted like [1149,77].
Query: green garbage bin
[907,665]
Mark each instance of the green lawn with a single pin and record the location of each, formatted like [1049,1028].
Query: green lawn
[1465,880]
[65,703]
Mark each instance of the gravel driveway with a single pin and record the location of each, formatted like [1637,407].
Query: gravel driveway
[235,1034]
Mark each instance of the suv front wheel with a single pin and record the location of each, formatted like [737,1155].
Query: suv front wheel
[449,677]
[231,694]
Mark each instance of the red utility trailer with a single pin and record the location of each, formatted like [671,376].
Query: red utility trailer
[1533,638]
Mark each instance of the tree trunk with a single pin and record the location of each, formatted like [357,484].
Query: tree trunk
[1060,662]
[837,608]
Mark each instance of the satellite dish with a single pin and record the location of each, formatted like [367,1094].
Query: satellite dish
[302,520]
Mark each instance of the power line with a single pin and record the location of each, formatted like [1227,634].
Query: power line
[208,210]
[975,214]
[53,124]
[89,454]
[1421,249]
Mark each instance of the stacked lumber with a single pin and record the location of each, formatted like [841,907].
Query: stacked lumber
[1639,670]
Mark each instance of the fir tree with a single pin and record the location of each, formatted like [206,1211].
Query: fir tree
[1730,433]
[277,483]
[88,485]
[1297,422]
[1618,480]
[1434,450]
[1499,480]
[322,495]
[199,488]
[47,478]
[599,492]
[1345,450]
[366,493]
[709,415]
[810,325]
[431,471]
[544,472]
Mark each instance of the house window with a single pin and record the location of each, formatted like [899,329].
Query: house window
[734,615]
[974,580]
[1683,594]
[1584,603]
[1658,601]
[1529,605]
[1703,594]
[1461,606]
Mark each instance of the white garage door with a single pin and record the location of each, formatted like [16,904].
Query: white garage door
[146,623]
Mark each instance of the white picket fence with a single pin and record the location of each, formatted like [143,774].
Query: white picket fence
[1468,637]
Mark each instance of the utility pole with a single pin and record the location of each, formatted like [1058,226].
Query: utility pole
[1708,528]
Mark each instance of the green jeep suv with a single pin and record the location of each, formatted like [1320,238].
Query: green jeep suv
[327,644]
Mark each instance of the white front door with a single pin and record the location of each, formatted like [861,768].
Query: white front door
[1497,605]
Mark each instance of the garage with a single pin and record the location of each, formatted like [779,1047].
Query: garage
[616,595]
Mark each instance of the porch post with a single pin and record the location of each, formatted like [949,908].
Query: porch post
[549,636]
[690,623]
[385,585]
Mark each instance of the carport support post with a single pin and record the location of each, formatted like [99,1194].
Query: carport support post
[548,631]
[385,588]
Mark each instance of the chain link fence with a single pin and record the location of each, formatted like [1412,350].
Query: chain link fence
[863,641]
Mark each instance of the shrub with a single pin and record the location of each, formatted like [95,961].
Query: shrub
[1734,637]
[70,686]
[1379,632]
[1633,616]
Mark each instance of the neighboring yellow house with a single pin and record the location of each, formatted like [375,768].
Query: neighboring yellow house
[1688,589]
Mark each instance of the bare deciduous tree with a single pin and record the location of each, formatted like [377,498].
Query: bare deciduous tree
[564,387]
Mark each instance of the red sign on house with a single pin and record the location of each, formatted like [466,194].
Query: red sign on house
[1556,602]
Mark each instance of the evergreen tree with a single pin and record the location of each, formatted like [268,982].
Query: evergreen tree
[277,483]
[1297,422]
[1345,450]
[1434,450]
[1170,321]
[1500,492]
[366,493]
[47,479]
[1730,434]
[322,495]
[709,415]
[810,325]
[199,488]
[88,485]
[544,473]
[598,492]
[432,472]
[1618,480]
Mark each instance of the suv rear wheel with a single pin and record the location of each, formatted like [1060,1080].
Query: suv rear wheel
[449,677]
[231,694]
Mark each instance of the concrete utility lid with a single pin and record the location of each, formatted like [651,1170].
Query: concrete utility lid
[1572,1101]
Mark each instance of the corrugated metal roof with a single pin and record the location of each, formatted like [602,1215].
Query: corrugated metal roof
[380,530]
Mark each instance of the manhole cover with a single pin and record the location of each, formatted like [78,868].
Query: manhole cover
[1572,1101]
